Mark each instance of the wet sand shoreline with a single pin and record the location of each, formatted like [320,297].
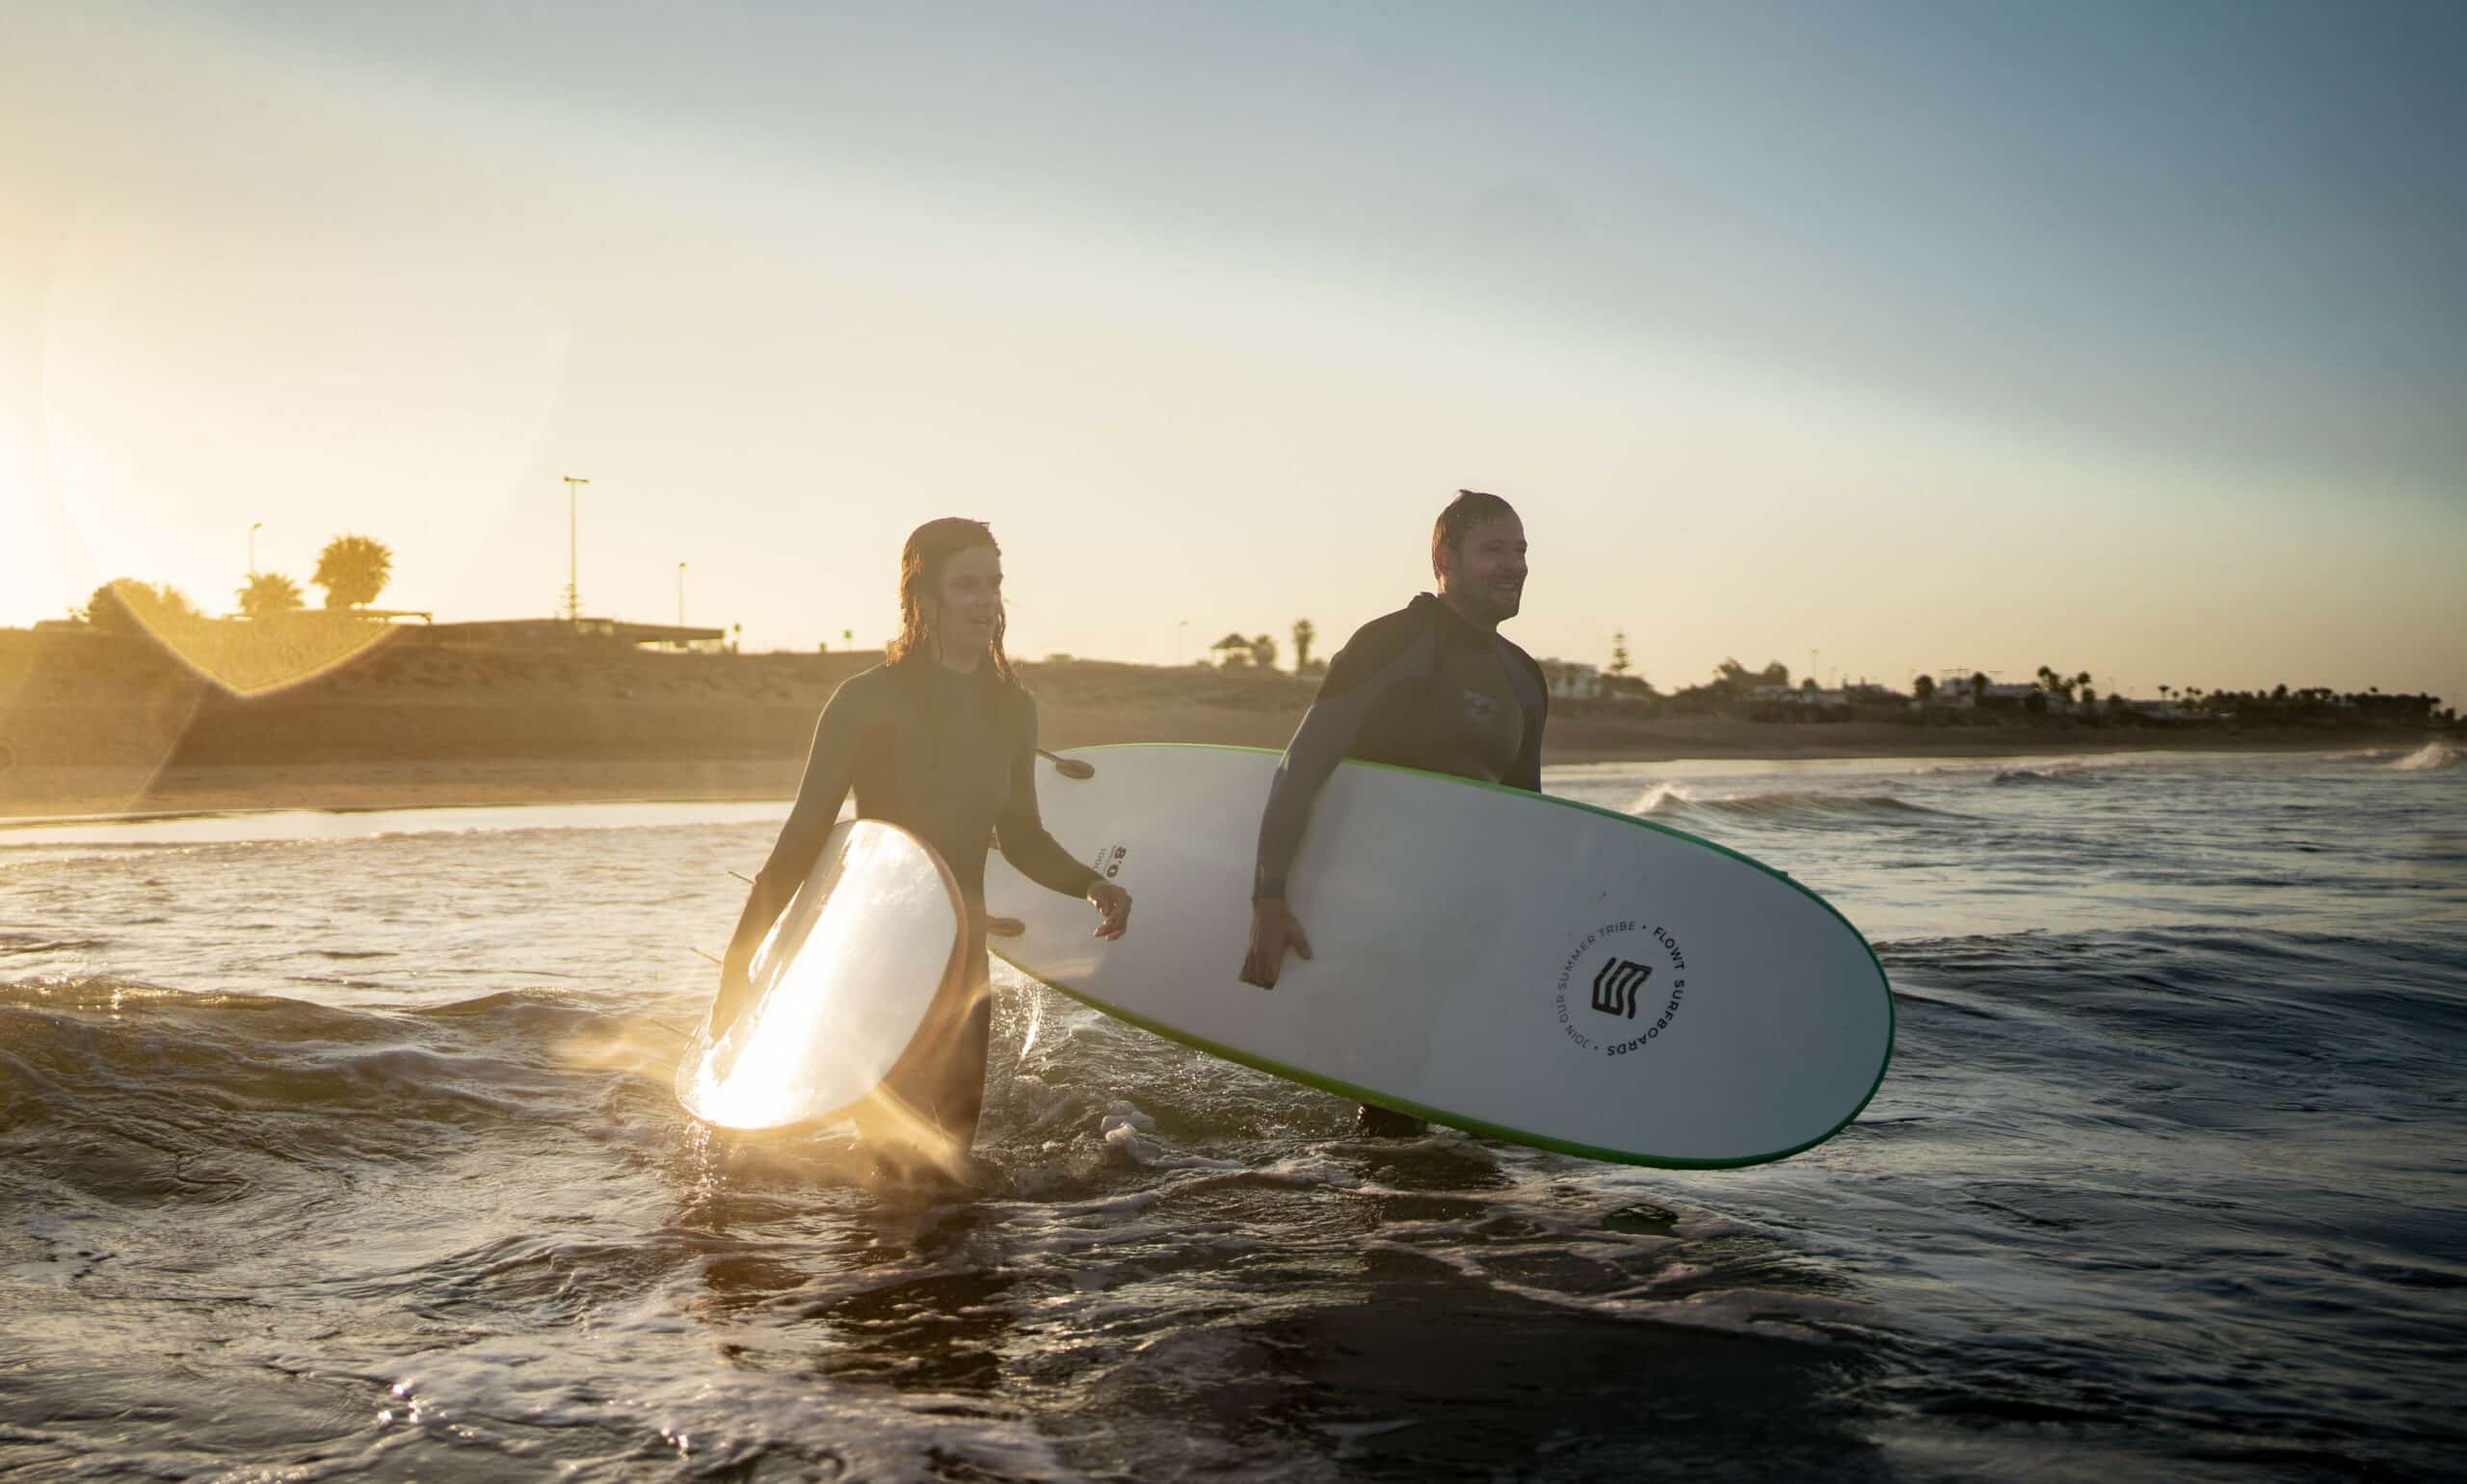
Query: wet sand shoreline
[120,790]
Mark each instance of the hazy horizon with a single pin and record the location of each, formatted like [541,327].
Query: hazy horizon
[1924,338]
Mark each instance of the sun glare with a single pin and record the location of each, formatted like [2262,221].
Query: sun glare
[842,983]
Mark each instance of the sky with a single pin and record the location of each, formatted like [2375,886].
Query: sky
[1874,339]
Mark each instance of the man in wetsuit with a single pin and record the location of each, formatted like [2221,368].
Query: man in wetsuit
[1431,686]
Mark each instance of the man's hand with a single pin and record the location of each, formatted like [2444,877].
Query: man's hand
[1114,907]
[1272,930]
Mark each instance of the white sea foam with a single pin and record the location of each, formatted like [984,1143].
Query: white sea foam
[1659,797]
[2430,756]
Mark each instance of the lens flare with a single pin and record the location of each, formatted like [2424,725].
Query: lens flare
[245,656]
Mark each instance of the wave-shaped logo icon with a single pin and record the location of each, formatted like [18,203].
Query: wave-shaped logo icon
[1615,985]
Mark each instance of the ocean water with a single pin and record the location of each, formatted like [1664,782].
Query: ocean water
[340,1147]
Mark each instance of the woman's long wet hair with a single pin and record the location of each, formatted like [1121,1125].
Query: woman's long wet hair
[929,549]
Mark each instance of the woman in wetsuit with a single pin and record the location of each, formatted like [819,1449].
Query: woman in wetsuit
[941,740]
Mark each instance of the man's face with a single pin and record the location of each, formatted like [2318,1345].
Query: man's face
[1486,570]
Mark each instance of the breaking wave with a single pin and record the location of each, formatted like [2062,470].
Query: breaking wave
[1671,801]
[2427,758]
[2070,777]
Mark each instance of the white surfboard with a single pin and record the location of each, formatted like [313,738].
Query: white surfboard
[1510,964]
[842,985]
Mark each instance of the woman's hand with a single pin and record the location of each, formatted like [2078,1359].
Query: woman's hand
[1273,930]
[736,988]
[1114,907]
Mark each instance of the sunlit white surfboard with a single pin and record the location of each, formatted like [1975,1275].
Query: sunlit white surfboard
[842,986]
[1508,962]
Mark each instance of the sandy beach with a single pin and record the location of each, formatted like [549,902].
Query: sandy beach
[93,726]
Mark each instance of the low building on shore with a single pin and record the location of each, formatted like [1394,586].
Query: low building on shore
[1572,679]
[565,633]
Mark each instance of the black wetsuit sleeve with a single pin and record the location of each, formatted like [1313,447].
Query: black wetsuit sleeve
[1382,656]
[830,768]
[1533,696]
[1020,829]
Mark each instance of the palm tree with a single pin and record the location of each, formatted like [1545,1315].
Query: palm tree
[1263,652]
[1977,687]
[1304,631]
[353,570]
[1923,688]
[268,593]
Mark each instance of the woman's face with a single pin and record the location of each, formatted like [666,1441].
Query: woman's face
[970,602]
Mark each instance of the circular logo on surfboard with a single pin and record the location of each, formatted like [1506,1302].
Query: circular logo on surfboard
[1621,987]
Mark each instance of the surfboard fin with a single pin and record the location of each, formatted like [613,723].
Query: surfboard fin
[1069,767]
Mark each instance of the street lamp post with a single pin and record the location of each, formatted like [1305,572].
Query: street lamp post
[680,595]
[574,589]
[1179,624]
[252,547]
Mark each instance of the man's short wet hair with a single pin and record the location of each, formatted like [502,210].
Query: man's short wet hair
[1471,508]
